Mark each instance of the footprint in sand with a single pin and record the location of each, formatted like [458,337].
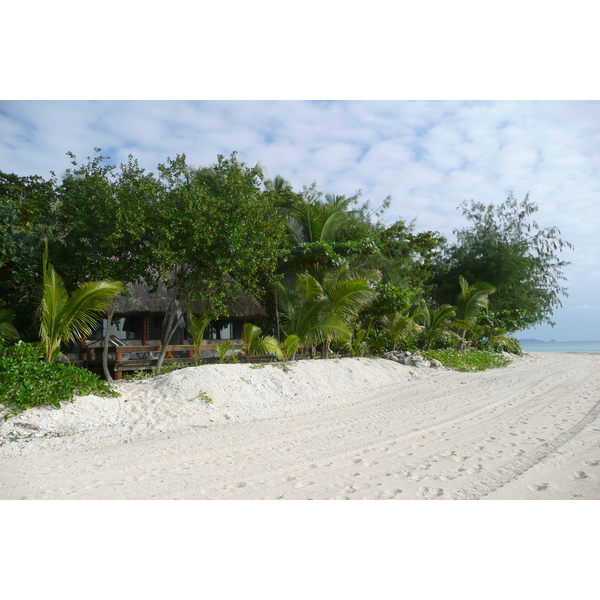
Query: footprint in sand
[427,492]
[535,487]
[591,463]
[579,475]
[474,469]
[302,484]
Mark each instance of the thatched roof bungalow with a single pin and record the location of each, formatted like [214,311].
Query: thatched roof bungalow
[139,316]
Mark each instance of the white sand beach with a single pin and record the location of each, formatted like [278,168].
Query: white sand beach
[327,429]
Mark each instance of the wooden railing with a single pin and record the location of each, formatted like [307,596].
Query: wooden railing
[144,357]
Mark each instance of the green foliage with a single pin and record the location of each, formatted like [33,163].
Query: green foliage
[467,360]
[255,344]
[471,302]
[27,381]
[224,349]
[505,247]
[406,258]
[63,318]
[291,345]
[8,333]
[196,326]
[324,233]
[436,324]
[152,373]
[26,208]
[218,233]
[323,312]
[204,397]
[400,328]
[357,344]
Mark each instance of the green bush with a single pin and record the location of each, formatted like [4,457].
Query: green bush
[27,381]
[468,360]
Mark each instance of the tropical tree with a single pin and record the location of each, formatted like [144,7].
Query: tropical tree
[505,247]
[278,184]
[224,349]
[471,302]
[65,318]
[291,345]
[218,234]
[357,344]
[324,312]
[8,333]
[255,344]
[196,326]
[26,208]
[400,327]
[324,232]
[435,322]
[304,313]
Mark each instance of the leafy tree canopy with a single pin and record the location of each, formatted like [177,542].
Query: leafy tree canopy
[506,248]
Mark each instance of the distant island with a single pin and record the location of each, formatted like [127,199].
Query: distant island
[534,341]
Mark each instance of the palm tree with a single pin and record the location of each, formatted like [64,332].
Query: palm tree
[303,311]
[323,313]
[196,327]
[291,345]
[314,221]
[278,184]
[357,346]
[399,327]
[435,321]
[8,332]
[69,319]
[255,344]
[471,302]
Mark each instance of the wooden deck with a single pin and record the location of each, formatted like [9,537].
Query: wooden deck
[145,358]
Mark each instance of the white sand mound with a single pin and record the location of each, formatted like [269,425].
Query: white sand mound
[340,428]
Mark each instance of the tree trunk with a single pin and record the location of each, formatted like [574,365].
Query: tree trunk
[277,318]
[109,316]
[172,324]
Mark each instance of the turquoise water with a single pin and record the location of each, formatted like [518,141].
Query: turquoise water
[560,346]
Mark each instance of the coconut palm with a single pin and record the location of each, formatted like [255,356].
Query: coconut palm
[323,313]
[8,333]
[471,302]
[224,349]
[399,327]
[303,313]
[278,184]
[436,322]
[314,221]
[255,344]
[356,345]
[196,327]
[291,345]
[65,318]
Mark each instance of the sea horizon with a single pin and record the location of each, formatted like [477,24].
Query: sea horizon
[533,345]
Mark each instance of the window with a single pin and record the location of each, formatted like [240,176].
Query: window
[223,330]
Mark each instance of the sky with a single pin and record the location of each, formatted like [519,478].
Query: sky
[428,156]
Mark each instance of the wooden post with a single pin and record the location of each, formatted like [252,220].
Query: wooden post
[144,330]
[118,357]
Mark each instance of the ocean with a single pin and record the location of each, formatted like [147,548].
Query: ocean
[536,346]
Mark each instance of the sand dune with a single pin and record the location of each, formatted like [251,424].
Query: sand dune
[336,429]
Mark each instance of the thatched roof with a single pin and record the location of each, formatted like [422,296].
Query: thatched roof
[142,302]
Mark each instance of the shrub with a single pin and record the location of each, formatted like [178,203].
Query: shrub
[468,360]
[27,381]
